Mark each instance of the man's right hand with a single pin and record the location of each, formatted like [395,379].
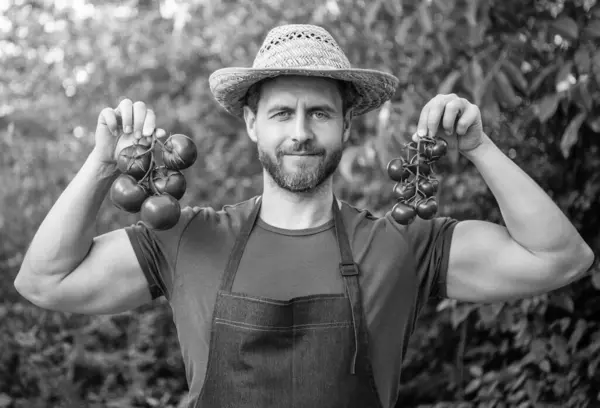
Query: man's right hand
[121,127]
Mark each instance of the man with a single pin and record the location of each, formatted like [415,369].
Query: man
[294,298]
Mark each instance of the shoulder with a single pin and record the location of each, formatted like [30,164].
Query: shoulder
[207,220]
[360,222]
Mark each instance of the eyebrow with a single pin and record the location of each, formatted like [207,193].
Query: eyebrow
[323,107]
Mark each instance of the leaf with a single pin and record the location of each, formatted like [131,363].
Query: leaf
[571,134]
[488,313]
[448,83]
[563,77]
[546,107]
[515,76]
[596,67]
[577,334]
[592,366]
[563,301]
[473,385]
[559,347]
[5,401]
[583,61]
[507,98]
[596,280]
[592,29]
[403,29]
[476,371]
[538,350]
[581,95]
[477,81]
[425,17]
[460,314]
[533,390]
[566,27]
[371,13]
[537,81]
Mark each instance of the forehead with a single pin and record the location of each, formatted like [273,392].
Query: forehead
[298,87]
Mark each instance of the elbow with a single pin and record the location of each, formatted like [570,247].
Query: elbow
[580,262]
[589,259]
[33,290]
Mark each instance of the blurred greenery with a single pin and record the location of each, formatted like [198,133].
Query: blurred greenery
[533,68]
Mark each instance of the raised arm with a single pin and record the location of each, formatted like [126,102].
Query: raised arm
[539,250]
[67,268]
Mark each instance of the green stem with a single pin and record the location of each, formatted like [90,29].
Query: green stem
[150,168]
[145,152]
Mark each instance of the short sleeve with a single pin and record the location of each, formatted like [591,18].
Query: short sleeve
[430,241]
[157,252]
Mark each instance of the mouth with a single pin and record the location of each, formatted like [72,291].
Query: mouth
[303,154]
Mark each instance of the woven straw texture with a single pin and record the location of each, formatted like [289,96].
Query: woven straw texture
[301,49]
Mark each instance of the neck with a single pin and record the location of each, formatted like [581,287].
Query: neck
[284,209]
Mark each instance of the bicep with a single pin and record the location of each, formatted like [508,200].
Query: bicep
[109,280]
[487,265]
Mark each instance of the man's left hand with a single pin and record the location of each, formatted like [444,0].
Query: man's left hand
[456,116]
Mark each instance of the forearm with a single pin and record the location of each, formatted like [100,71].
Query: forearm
[65,236]
[531,217]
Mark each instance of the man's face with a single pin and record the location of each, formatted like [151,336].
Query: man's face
[299,131]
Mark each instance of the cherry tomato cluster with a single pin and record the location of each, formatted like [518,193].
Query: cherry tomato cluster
[416,184]
[154,190]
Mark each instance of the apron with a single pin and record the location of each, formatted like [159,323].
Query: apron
[309,351]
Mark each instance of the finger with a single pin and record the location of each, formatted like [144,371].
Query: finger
[422,125]
[108,118]
[158,133]
[125,109]
[435,115]
[452,110]
[139,116]
[467,119]
[149,123]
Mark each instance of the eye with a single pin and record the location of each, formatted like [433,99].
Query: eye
[282,114]
[320,115]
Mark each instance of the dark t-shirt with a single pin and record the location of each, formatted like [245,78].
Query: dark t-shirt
[401,267]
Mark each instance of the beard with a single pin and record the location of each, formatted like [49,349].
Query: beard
[307,175]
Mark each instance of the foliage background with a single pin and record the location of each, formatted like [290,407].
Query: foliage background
[533,67]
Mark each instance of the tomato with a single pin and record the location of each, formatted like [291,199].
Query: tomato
[404,191]
[134,160]
[439,149]
[420,162]
[397,170]
[427,209]
[168,181]
[126,194]
[403,213]
[161,212]
[179,152]
[426,187]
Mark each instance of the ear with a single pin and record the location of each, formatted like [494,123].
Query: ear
[250,119]
[347,125]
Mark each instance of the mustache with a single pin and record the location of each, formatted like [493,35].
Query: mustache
[305,148]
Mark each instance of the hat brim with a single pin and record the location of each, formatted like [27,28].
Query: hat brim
[373,88]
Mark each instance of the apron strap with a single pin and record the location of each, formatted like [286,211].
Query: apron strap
[350,272]
[238,248]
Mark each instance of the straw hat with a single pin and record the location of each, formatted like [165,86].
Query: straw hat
[301,49]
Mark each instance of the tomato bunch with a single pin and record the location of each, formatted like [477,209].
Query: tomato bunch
[416,184]
[154,190]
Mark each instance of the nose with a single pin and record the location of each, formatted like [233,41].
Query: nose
[302,131]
